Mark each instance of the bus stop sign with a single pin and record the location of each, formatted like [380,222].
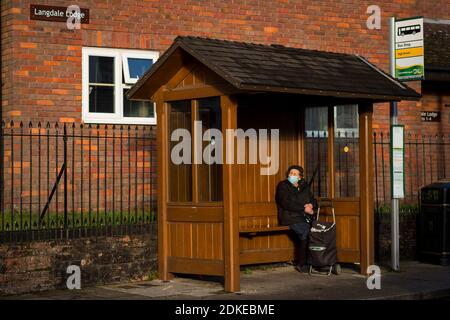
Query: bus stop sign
[409,49]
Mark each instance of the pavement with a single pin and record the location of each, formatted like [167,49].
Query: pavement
[275,282]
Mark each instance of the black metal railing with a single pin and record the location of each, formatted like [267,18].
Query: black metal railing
[63,180]
[68,180]
[427,159]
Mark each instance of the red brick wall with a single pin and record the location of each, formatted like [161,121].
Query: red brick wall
[436,97]
[45,67]
[6,53]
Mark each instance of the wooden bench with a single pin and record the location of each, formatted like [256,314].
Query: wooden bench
[251,232]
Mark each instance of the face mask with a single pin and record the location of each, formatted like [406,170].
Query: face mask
[293,179]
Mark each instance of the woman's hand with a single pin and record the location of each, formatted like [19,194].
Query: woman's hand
[309,209]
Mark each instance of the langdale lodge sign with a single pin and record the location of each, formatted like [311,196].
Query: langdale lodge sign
[57,14]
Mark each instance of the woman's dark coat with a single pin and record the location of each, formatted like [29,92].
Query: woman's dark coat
[291,200]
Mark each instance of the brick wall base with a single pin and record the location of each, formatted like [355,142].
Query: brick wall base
[39,266]
[407,240]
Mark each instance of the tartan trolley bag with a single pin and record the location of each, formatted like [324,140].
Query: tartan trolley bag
[322,243]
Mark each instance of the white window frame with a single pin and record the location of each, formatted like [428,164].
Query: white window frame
[120,56]
[137,55]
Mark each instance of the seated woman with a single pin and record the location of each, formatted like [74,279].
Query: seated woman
[296,206]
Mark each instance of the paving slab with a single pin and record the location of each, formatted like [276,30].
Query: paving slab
[414,281]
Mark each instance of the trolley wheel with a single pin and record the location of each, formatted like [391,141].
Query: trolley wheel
[337,269]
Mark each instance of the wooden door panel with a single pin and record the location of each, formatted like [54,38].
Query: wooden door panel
[196,247]
[196,240]
[347,238]
[195,266]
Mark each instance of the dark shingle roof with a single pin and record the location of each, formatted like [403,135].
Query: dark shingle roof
[276,68]
[437,46]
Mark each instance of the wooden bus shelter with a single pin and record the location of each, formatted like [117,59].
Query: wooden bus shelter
[213,218]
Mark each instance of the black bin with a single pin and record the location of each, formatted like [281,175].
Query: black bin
[434,223]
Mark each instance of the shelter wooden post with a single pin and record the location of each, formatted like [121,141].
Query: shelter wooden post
[230,200]
[366,186]
[163,162]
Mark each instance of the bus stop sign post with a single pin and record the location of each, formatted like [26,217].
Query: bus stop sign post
[406,53]
[395,250]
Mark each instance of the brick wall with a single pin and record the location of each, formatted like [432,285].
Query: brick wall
[42,265]
[407,239]
[6,54]
[45,58]
[436,97]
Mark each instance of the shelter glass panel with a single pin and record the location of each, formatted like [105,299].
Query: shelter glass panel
[180,171]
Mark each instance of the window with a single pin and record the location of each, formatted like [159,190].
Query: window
[346,151]
[108,74]
[209,175]
[180,175]
[346,120]
[317,122]
[135,65]
[316,146]
[206,174]
[101,84]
